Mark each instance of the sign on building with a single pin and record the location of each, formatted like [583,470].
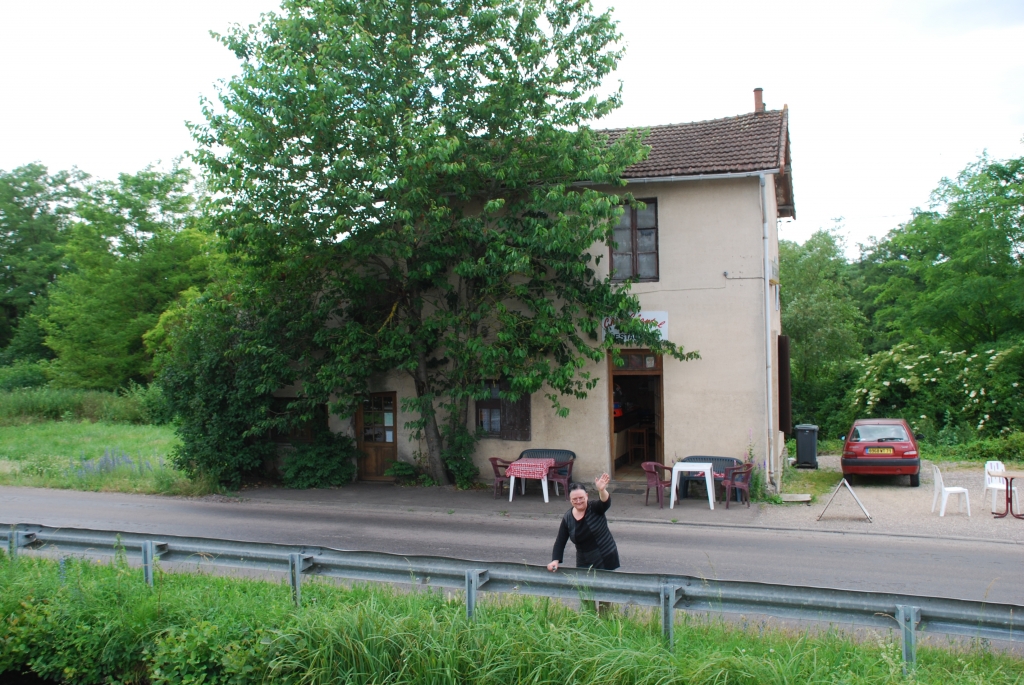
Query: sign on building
[658,318]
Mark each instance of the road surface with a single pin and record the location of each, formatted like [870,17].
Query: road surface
[978,570]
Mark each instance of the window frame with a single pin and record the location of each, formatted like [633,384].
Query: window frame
[513,415]
[634,245]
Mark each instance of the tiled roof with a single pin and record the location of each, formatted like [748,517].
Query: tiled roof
[749,142]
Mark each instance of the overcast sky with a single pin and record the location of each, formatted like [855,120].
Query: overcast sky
[885,98]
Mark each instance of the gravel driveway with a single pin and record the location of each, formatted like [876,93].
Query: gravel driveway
[897,508]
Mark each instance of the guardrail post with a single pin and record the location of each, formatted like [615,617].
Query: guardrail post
[669,597]
[908,617]
[151,551]
[475,577]
[16,539]
[295,568]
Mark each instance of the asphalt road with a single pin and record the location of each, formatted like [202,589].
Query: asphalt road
[979,570]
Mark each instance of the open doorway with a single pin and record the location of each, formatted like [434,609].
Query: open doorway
[637,407]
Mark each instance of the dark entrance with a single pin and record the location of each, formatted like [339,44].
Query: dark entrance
[637,407]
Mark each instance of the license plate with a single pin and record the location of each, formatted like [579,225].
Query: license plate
[878,450]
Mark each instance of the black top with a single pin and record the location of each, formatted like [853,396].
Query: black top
[595,546]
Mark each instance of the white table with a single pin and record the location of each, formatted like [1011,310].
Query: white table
[693,467]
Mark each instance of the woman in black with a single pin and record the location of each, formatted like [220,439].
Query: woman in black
[587,527]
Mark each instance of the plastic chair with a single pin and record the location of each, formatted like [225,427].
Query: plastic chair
[940,488]
[998,485]
[654,481]
[737,477]
[561,472]
[499,466]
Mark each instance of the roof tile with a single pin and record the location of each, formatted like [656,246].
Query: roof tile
[748,142]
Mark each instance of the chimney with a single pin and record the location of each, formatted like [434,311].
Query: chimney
[758,103]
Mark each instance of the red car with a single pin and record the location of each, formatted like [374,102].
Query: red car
[882,447]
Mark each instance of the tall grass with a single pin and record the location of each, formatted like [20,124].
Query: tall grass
[93,456]
[86,622]
[71,404]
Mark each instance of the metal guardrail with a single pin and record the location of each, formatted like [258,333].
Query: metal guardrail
[910,613]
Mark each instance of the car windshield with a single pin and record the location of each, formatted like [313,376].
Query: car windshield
[879,433]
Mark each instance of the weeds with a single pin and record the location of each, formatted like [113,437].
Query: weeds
[77,456]
[100,623]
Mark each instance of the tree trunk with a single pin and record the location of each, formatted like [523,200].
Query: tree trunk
[435,464]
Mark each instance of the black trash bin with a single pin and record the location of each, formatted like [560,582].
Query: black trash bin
[806,446]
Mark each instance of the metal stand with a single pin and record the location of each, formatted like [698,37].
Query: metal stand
[857,499]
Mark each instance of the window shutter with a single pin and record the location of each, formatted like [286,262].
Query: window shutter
[515,417]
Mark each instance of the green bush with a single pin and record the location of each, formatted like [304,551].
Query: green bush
[83,622]
[22,375]
[73,404]
[939,390]
[326,462]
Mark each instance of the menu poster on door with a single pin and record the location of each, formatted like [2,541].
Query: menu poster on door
[657,318]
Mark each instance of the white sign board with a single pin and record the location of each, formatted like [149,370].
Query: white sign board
[658,318]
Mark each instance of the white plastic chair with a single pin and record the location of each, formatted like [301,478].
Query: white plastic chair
[998,485]
[940,488]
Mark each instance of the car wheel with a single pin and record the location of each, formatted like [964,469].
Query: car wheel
[915,480]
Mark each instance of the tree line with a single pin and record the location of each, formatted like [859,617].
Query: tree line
[411,188]
[927,324]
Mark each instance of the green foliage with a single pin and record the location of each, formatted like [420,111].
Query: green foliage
[824,324]
[328,461]
[78,456]
[48,403]
[83,622]
[937,388]
[410,474]
[218,371]
[22,374]
[34,211]
[957,275]
[408,199]
[135,248]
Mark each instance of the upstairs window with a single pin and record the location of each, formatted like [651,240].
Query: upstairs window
[636,244]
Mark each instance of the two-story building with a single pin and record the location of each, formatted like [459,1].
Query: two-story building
[705,253]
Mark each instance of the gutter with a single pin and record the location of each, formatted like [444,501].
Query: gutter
[770,445]
[693,177]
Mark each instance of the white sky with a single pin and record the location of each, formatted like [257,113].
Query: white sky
[885,98]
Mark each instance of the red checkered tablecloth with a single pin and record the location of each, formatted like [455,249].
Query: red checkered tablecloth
[529,468]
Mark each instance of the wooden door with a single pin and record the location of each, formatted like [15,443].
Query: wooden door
[377,432]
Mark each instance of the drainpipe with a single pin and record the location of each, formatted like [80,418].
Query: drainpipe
[770,445]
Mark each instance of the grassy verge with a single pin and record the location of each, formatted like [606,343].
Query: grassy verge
[815,482]
[86,622]
[92,456]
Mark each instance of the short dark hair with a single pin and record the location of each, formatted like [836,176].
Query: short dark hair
[577,486]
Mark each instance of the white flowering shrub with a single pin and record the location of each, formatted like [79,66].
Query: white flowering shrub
[940,388]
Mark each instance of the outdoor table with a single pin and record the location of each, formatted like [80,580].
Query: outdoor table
[1008,477]
[694,466]
[528,468]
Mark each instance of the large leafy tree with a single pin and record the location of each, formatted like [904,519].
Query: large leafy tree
[35,207]
[956,273]
[135,246]
[821,316]
[403,179]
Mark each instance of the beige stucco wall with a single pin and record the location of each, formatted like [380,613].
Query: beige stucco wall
[711,284]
